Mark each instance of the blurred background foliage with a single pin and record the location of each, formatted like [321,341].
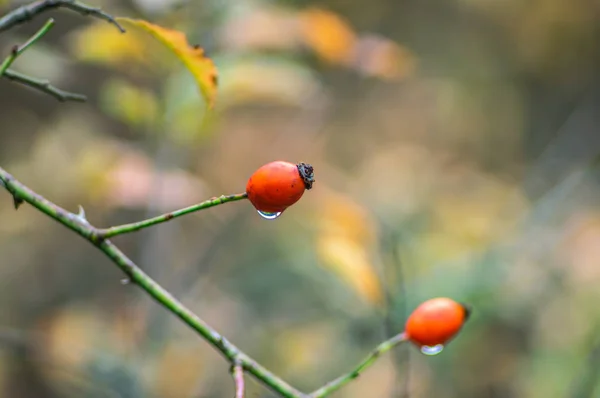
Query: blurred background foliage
[455,144]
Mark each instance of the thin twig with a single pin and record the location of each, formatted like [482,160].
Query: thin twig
[43,86]
[237,371]
[136,226]
[368,361]
[79,225]
[18,50]
[27,12]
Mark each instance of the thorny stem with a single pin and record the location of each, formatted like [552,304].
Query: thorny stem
[239,360]
[237,371]
[43,86]
[136,226]
[18,50]
[27,12]
[79,225]
[368,361]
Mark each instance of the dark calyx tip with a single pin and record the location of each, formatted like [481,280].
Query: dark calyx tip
[468,310]
[307,173]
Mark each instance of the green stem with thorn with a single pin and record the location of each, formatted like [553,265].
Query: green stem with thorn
[135,275]
[136,226]
[368,361]
[81,226]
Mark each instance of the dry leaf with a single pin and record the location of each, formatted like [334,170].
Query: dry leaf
[347,236]
[202,68]
[330,36]
[380,57]
[350,261]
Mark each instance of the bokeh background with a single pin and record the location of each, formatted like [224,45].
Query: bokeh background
[455,144]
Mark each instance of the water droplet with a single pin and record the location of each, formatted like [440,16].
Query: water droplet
[269,216]
[432,350]
[125,281]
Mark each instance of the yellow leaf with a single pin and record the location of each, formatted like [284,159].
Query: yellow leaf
[128,103]
[329,35]
[341,216]
[101,43]
[266,80]
[347,236]
[350,261]
[202,68]
[380,57]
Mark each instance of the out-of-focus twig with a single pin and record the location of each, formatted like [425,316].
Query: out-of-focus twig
[27,12]
[18,50]
[395,297]
[43,86]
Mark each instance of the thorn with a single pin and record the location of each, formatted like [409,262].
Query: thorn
[81,215]
[15,49]
[17,202]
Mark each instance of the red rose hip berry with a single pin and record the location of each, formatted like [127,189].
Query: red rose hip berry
[277,185]
[436,321]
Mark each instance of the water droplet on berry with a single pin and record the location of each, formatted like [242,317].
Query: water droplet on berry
[432,350]
[269,216]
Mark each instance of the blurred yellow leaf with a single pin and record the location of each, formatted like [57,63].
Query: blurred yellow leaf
[179,366]
[70,335]
[328,34]
[102,43]
[345,241]
[134,182]
[128,103]
[472,212]
[343,217]
[350,261]
[380,57]
[580,248]
[202,68]
[302,348]
[265,27]
[188,125]
[268,81]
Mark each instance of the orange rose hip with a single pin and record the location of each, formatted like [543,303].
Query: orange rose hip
[277,185]
[436,321]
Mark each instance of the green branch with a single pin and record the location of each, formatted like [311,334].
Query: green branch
[78,224]
[27,12]
[368,361]
[18,50]
[136,226]
[43,86]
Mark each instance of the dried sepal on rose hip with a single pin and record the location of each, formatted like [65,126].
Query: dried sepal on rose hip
[277,185]
[435,322]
